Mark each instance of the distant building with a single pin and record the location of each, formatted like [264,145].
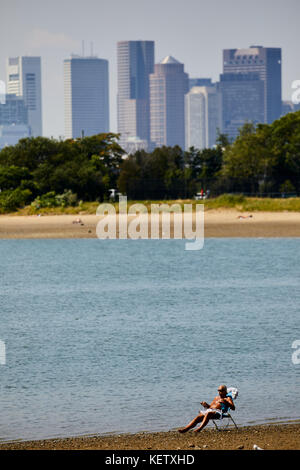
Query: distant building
[13,120]
[203,116]
[13,110]
[242,101]
[10,134]
[86,96]
[23,78]
[199,82]
[266,62]
[135,63]
[168,85]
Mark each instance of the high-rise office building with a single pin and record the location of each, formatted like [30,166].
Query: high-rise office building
[199,82]
[10,135]
[203,116]
[86,96]
[168,85]
[242,101]
[23,78]
[264,61]
[13,120]
[135,64]
[13,111]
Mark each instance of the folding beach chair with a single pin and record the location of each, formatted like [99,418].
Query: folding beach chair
[229,418]
[233,393]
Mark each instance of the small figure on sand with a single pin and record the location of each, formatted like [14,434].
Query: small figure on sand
[77,221]
[244,217]
[215,410]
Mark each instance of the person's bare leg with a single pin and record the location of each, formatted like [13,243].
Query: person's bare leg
[205,421]
[192,423]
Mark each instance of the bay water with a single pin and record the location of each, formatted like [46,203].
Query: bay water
[105,336]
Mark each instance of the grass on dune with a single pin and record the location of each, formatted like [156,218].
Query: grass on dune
[226,201]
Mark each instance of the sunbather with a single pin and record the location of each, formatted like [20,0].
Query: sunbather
[215,410]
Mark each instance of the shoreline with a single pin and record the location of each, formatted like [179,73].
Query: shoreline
[218,223]
[266,436]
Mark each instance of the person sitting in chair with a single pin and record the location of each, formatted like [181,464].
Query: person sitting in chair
[215,410]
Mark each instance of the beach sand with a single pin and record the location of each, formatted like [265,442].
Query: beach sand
[217,223]
[267,437]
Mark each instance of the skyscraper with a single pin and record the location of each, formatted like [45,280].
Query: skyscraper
[242,100]
[199,82]
[203,116]
[135,63]
[264,61]
[86,96]
[13,111]
[168,85]
[23,78]
[13,120]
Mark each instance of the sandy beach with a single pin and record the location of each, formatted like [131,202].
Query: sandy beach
[217,223]
[267,437]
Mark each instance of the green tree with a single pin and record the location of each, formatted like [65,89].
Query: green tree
[248,161]
[12,176]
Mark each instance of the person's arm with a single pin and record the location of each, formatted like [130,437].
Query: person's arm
[229,401]
[204,404]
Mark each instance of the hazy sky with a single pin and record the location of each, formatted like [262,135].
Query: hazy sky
[194,31]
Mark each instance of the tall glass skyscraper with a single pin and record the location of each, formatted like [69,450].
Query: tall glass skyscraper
[23,78]
[86,96]
[168,85]
[203,116]
[242,100]
[135,64]
[13,120]
[266,62]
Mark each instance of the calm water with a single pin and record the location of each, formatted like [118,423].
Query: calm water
[124,336]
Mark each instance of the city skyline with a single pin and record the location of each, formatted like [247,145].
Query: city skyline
[151,96]
[196,43]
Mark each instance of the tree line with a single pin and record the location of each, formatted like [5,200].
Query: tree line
[262,160]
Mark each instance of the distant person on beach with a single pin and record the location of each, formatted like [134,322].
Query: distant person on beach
[215,410]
